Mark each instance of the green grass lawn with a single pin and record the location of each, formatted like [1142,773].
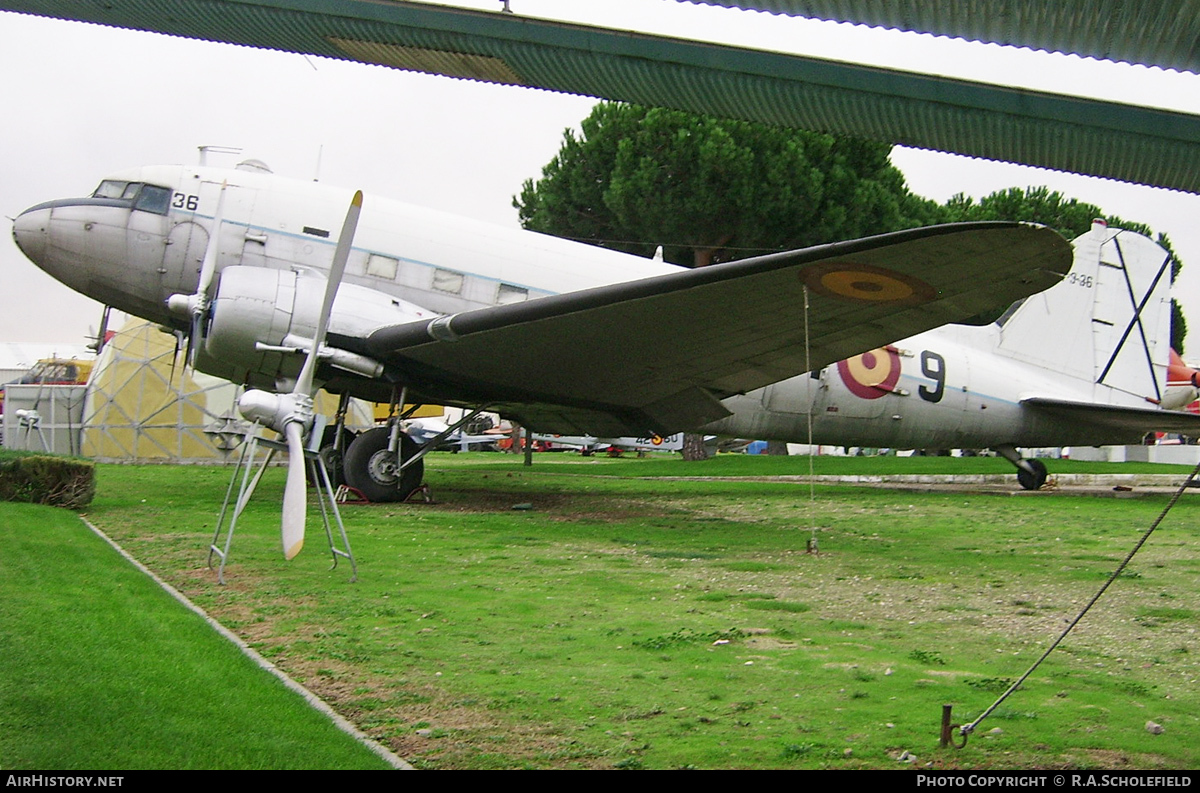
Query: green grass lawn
[629,620]
[657,464]
[103,670]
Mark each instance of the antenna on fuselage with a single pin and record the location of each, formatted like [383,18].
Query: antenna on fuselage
[317,173]
[204,150]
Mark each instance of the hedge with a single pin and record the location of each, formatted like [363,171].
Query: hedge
[43,479]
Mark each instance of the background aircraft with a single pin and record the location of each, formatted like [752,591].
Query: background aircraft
[565,338]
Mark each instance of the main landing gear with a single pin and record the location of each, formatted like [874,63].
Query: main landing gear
[383,463]
[374,468]
[1030,473]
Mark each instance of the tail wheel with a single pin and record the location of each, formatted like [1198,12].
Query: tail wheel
[375,472]
[1035,480]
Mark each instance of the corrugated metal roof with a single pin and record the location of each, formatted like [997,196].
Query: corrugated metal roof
[1154,32]
[1142,145]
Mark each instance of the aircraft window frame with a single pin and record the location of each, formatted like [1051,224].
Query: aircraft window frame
[507,294]
[153,198]
[110,188]
[380,266]
[448,281]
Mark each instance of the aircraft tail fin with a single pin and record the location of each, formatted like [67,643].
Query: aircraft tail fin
[1108,322]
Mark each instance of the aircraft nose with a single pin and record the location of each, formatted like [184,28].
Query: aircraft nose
[29,232]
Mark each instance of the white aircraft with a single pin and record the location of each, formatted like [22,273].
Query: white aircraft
[572,339]
[424,430]
[589,444]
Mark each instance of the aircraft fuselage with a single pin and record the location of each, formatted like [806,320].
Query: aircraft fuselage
[944,389]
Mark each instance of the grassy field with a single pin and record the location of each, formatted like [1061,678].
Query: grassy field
[102,669]
[753,465]
[631,620]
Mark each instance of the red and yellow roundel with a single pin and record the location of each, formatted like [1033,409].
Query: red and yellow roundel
[865,283]
[872,374]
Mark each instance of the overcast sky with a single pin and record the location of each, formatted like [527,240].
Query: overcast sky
[82,101]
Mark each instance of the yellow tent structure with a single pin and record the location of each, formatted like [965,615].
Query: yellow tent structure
[142,408]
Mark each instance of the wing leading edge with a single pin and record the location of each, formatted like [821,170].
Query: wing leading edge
[657,354]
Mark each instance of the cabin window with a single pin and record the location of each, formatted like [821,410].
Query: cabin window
[511,294]
[382,266]
[448,281]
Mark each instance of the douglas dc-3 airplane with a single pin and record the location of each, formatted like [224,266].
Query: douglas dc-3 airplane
[573,339]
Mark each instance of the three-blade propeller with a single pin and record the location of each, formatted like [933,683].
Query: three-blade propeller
[294,501]
[292,413]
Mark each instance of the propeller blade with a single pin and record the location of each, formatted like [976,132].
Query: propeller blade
[295,500]
[193,342]
[208,268]
[102,336]
[174,360]
[304,383]
[209,264]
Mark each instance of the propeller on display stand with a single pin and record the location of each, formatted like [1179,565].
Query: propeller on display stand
[291,413]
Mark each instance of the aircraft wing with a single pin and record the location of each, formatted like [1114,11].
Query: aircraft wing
[1137,421]
[656,355]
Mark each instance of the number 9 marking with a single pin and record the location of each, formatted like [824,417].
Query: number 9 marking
[933,366]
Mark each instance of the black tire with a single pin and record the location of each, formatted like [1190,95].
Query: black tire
[369,470]
[1035,480]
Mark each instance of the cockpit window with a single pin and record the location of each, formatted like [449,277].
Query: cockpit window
[152,198]
[110,189]
[146,197]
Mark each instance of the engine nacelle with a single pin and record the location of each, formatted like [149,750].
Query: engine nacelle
[260,312]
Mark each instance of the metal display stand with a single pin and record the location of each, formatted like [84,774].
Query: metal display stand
[31,420]
[319,474]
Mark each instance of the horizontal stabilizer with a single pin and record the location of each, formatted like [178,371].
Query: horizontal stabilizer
[656,354]
[1137,421]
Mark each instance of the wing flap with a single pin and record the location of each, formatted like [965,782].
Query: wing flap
[656,354]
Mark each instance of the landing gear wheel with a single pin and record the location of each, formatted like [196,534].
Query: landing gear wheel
[373,471]
[1035,480]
